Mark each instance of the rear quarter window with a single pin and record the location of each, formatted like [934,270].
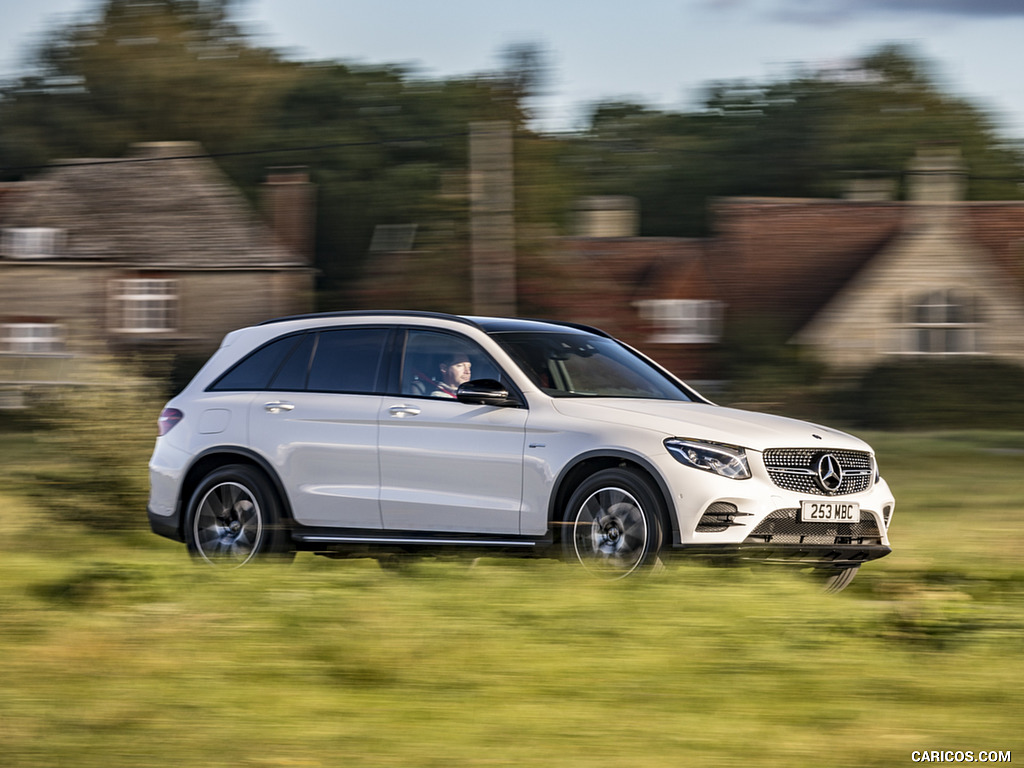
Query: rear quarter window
[258,369]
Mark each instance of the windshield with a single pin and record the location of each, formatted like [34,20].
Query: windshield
[581,365]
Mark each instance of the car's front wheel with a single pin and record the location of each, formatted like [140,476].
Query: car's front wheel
[613,524]
[838,580]
[234,517]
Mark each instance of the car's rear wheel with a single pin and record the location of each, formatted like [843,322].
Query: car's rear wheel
[613,524]
[837,581]
[234,518]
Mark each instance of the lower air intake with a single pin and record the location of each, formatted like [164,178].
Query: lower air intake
[783,527]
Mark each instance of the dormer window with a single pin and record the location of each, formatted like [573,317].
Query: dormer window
[32,242]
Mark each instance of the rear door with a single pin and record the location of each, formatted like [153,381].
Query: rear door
[317,424]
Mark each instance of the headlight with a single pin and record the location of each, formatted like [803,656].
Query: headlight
[724,460]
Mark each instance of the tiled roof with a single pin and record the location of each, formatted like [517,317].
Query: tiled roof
[999,227]
[642,267]
[788,257]
[162,212]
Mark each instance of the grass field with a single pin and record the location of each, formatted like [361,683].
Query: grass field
[117,651]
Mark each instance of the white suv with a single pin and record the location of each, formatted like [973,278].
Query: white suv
[386,433]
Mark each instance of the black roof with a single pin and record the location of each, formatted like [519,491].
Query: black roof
[512,324]
[486,324]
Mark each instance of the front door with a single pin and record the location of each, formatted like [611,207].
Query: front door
[446,465]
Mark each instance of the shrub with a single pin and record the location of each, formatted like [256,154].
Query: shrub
[103,433]
[942,393]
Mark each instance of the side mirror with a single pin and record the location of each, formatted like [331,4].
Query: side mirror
[484,392]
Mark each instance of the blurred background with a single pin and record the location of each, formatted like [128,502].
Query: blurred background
[838,237]
[843,223]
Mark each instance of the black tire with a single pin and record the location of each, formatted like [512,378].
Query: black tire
[234,517]
[613,524]
[838,580]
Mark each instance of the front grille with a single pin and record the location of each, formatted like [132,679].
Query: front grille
[796,469]
[783,527]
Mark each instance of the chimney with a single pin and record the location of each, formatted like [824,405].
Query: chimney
[288,200]
[936,175]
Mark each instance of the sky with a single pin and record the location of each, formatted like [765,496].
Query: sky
[662,53]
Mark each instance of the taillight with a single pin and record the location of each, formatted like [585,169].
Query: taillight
[168,418]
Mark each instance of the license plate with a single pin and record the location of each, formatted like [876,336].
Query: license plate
[829,512]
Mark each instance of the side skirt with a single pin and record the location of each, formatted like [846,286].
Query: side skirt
[314,539]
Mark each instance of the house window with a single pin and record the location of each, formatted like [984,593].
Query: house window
[32,242]
[683,321]
[32,338]
[145,305]
[941,322]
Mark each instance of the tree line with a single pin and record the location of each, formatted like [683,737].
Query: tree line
[385,145]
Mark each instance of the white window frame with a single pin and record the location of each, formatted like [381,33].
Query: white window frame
[145,305]
[941,322]
[32,242]
[683,321]
[33,338]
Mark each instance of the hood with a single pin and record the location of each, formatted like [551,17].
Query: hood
[699,421]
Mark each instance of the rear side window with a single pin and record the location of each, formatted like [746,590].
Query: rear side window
[347,360]
[258,369]
[343,360]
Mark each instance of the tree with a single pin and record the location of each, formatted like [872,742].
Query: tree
[803,136]
[381,144]
[162,70]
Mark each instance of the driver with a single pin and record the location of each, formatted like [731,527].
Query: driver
[455,370]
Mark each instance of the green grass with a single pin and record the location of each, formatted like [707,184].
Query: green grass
[118,651]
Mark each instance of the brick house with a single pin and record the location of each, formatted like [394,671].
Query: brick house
[158,251]
[947,279]
[856,281]
[658,294]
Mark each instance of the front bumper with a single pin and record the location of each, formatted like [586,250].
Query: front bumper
[756,519]
[798,555]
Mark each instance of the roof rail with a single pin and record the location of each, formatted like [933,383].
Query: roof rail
[465,320]
[373,313]
[580,327]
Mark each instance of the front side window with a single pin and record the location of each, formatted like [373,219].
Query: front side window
[32,338]
[941,322]
[145,305]
[435,364]
[581,365]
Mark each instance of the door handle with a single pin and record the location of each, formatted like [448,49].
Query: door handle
[401,411]
[277,406]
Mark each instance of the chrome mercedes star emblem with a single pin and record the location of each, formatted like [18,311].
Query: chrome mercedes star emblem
[830,473]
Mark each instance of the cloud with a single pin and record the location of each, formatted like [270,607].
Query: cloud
[825,11]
